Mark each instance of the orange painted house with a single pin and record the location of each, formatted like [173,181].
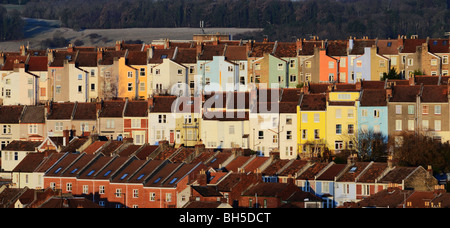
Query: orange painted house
[133,75]
[328,71]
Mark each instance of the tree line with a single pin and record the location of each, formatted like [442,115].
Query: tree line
[11,25]
[282,20]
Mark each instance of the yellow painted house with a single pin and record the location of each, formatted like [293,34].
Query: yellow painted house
[133,75]
[312,125]
[342,117]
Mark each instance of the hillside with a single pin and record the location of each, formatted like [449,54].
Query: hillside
[282,20]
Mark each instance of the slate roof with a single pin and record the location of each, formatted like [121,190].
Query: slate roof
[237,163]
[109,56]
[62,164]
[38,63]
[372,84]
[209,51]
[388,47]
[145,171]
[360,45]
[112,108]
[85,111]
[158,178]
[8,65]
[129,150]
[91,149]
[74,145]
[236,53]
[71,202]
[373,172]
[75,168]
[286,49]
[293,168]
[410,45]
[182,154]
[30,162]
[10,113]
[337,48]
[312,171]
[318,87]
[113,167]
[353,171]
[388,198]
[59,111]
[60,56]
[290,95]
[128,171]
[185,169]
[218,159]
[137,58]
[397,175]
[95,167]
[308,47]
[313,102]
[162,104]
[186,56]
[274,167]
[17,145]
[434,93]
[146,151]
[49,161]
[160,54]
[33,114]
[438,45]
[401,93]
[267,189]
[330,173]
[87,59]
[136,109]
[260,48]
[207,191]
[111,147]
[373,97]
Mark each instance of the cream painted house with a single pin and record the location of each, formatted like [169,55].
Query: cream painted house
[78,84]
[166,75]
[161,120]
[10,124]
[20,87]
[15,152]
[225,129]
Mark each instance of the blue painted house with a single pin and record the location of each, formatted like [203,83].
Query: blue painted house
[218,74]
[325,184]
[373,111]
[359,59]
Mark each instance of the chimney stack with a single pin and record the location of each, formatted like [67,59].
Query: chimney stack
[66,137]
[202,178]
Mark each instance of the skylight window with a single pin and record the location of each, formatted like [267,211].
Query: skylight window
[90,173]
[213,160]
[156,181]
[353,169]
[173,180]
[59,169]
[107,173]
[74,170]
[141,176]
[389,44]
[123,176]
[163,56]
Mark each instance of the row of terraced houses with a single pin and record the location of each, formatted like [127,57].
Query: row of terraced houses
[89,113]
[295,122]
